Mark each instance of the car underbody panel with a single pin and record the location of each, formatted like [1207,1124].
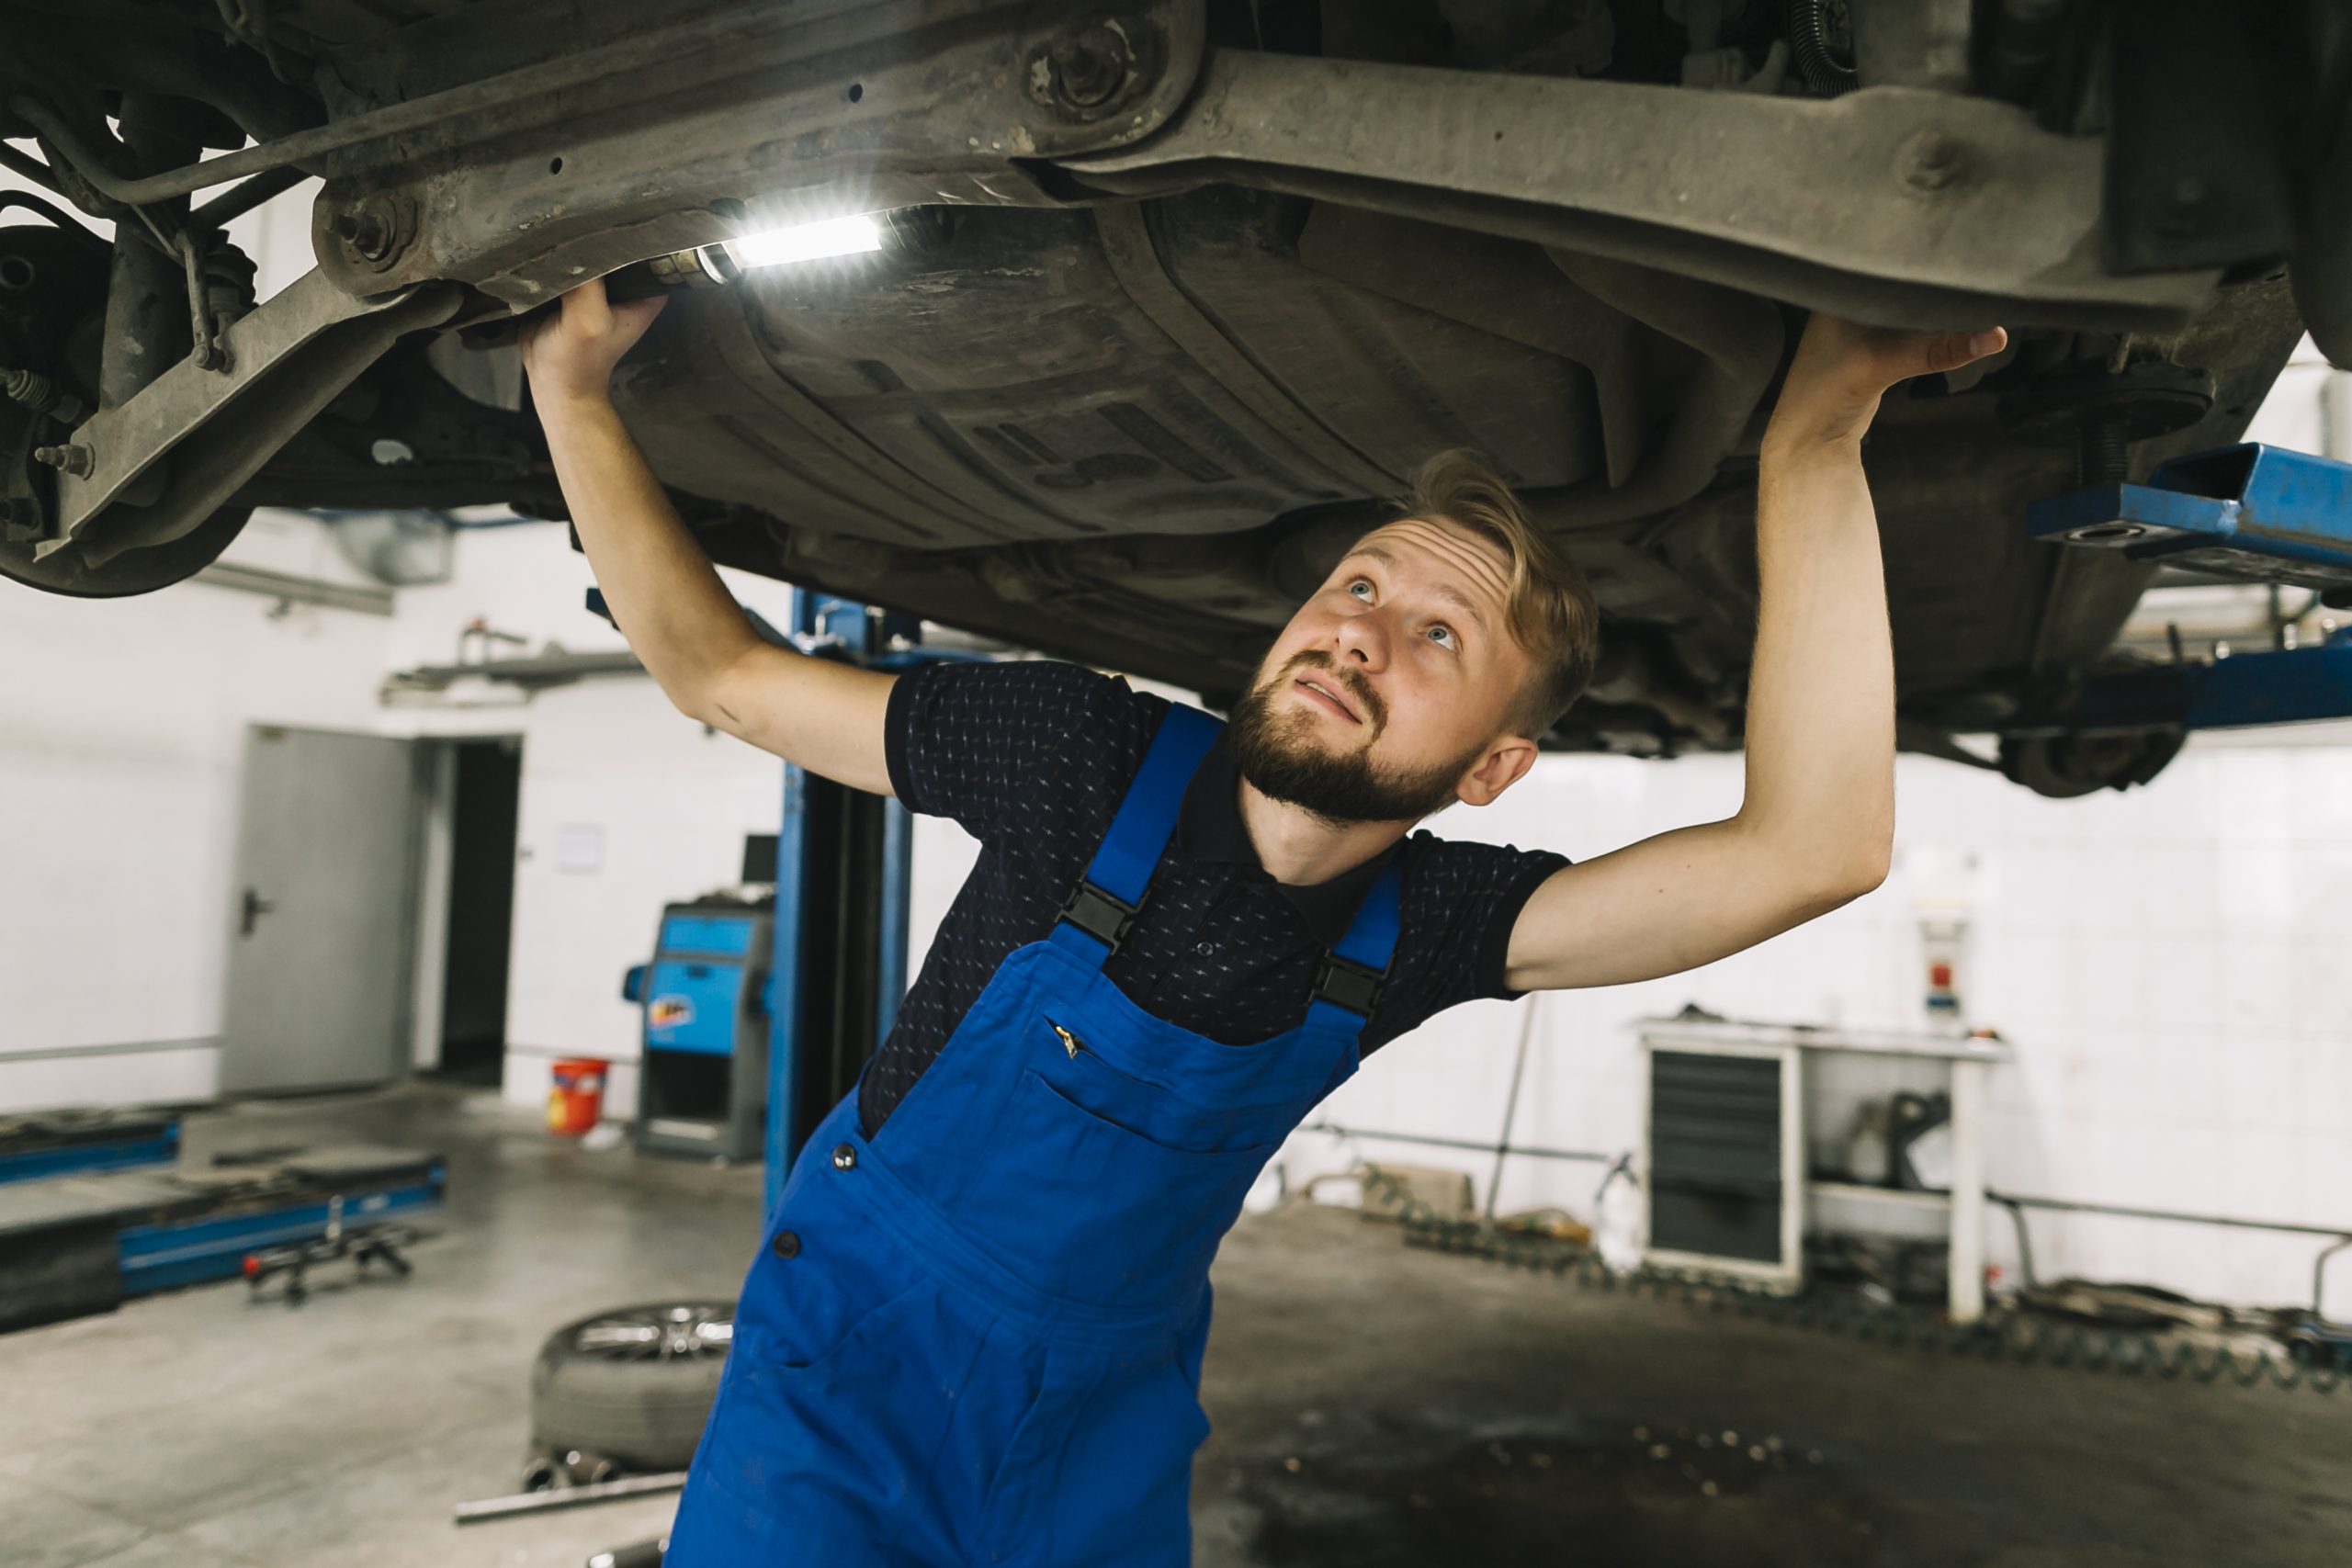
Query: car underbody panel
[1197,286]
[1143,433]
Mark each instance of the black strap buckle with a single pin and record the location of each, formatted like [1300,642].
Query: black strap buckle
[1346,984]
[1099,915]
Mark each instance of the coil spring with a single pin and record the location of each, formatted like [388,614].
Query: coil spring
[1809,46]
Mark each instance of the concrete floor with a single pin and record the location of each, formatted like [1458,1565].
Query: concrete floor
[1377,1406]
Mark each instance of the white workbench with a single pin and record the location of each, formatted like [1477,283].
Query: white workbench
[1968,1058]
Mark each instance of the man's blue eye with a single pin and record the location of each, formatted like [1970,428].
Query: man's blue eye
[1444,633]
[1360,588]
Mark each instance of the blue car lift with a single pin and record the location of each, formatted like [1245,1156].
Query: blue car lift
[36,1146]
[94,1208]
[76,1243]
[2248,513]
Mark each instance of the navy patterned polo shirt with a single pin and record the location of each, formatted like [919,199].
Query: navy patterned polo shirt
[1032,757]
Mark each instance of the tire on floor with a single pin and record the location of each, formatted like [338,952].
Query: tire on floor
[633,1385]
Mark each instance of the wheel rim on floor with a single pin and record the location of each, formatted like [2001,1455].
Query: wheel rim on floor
[684,1332]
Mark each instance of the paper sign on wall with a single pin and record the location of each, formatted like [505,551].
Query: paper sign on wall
[579,848]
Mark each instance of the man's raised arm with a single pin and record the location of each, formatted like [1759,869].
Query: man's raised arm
[663,592]
[1816,827]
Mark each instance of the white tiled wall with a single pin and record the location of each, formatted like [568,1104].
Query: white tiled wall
[2163,962]
[672,802]
[120,746]
[121,725]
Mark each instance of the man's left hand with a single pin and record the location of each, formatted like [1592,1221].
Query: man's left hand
[1842,369]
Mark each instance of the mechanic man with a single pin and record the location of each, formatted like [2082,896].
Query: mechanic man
[974,1329]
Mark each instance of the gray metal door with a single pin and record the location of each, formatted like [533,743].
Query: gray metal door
[321,922]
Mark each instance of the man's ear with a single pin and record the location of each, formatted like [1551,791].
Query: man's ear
[1502,766]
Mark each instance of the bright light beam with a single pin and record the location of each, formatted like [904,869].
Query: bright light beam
[807,242]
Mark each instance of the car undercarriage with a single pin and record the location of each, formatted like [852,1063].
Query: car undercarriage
[1176,294]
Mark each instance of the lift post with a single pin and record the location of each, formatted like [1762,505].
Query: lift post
[839,963]
[844,859]
[843,867]
[2287,686]
[2248,514]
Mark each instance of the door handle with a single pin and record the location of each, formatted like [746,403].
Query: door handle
[255,906]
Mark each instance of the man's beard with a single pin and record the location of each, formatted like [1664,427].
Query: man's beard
[1277,753]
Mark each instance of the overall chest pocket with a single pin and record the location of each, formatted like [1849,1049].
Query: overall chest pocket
[1095,1086]
[1092,1211]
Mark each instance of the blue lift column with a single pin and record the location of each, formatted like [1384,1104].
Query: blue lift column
[837,963]
[845,861]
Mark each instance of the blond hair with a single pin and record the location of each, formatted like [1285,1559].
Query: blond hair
[1551,609]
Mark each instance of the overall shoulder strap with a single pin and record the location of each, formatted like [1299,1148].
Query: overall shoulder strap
[1347,985]
[1103,905]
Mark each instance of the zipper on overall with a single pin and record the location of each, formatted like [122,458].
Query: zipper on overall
[1070,1042]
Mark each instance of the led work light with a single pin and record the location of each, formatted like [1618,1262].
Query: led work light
[903,228]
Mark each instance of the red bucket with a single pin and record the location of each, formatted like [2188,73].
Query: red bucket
[576,1096]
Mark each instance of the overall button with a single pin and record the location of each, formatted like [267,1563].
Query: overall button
[845,1157]
[786,1243]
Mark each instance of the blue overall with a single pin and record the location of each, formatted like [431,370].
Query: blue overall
[976,1337]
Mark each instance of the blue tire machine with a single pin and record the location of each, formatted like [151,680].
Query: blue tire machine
[702,1035]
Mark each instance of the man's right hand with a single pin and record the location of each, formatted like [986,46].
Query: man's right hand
[568,352]
[664,594]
